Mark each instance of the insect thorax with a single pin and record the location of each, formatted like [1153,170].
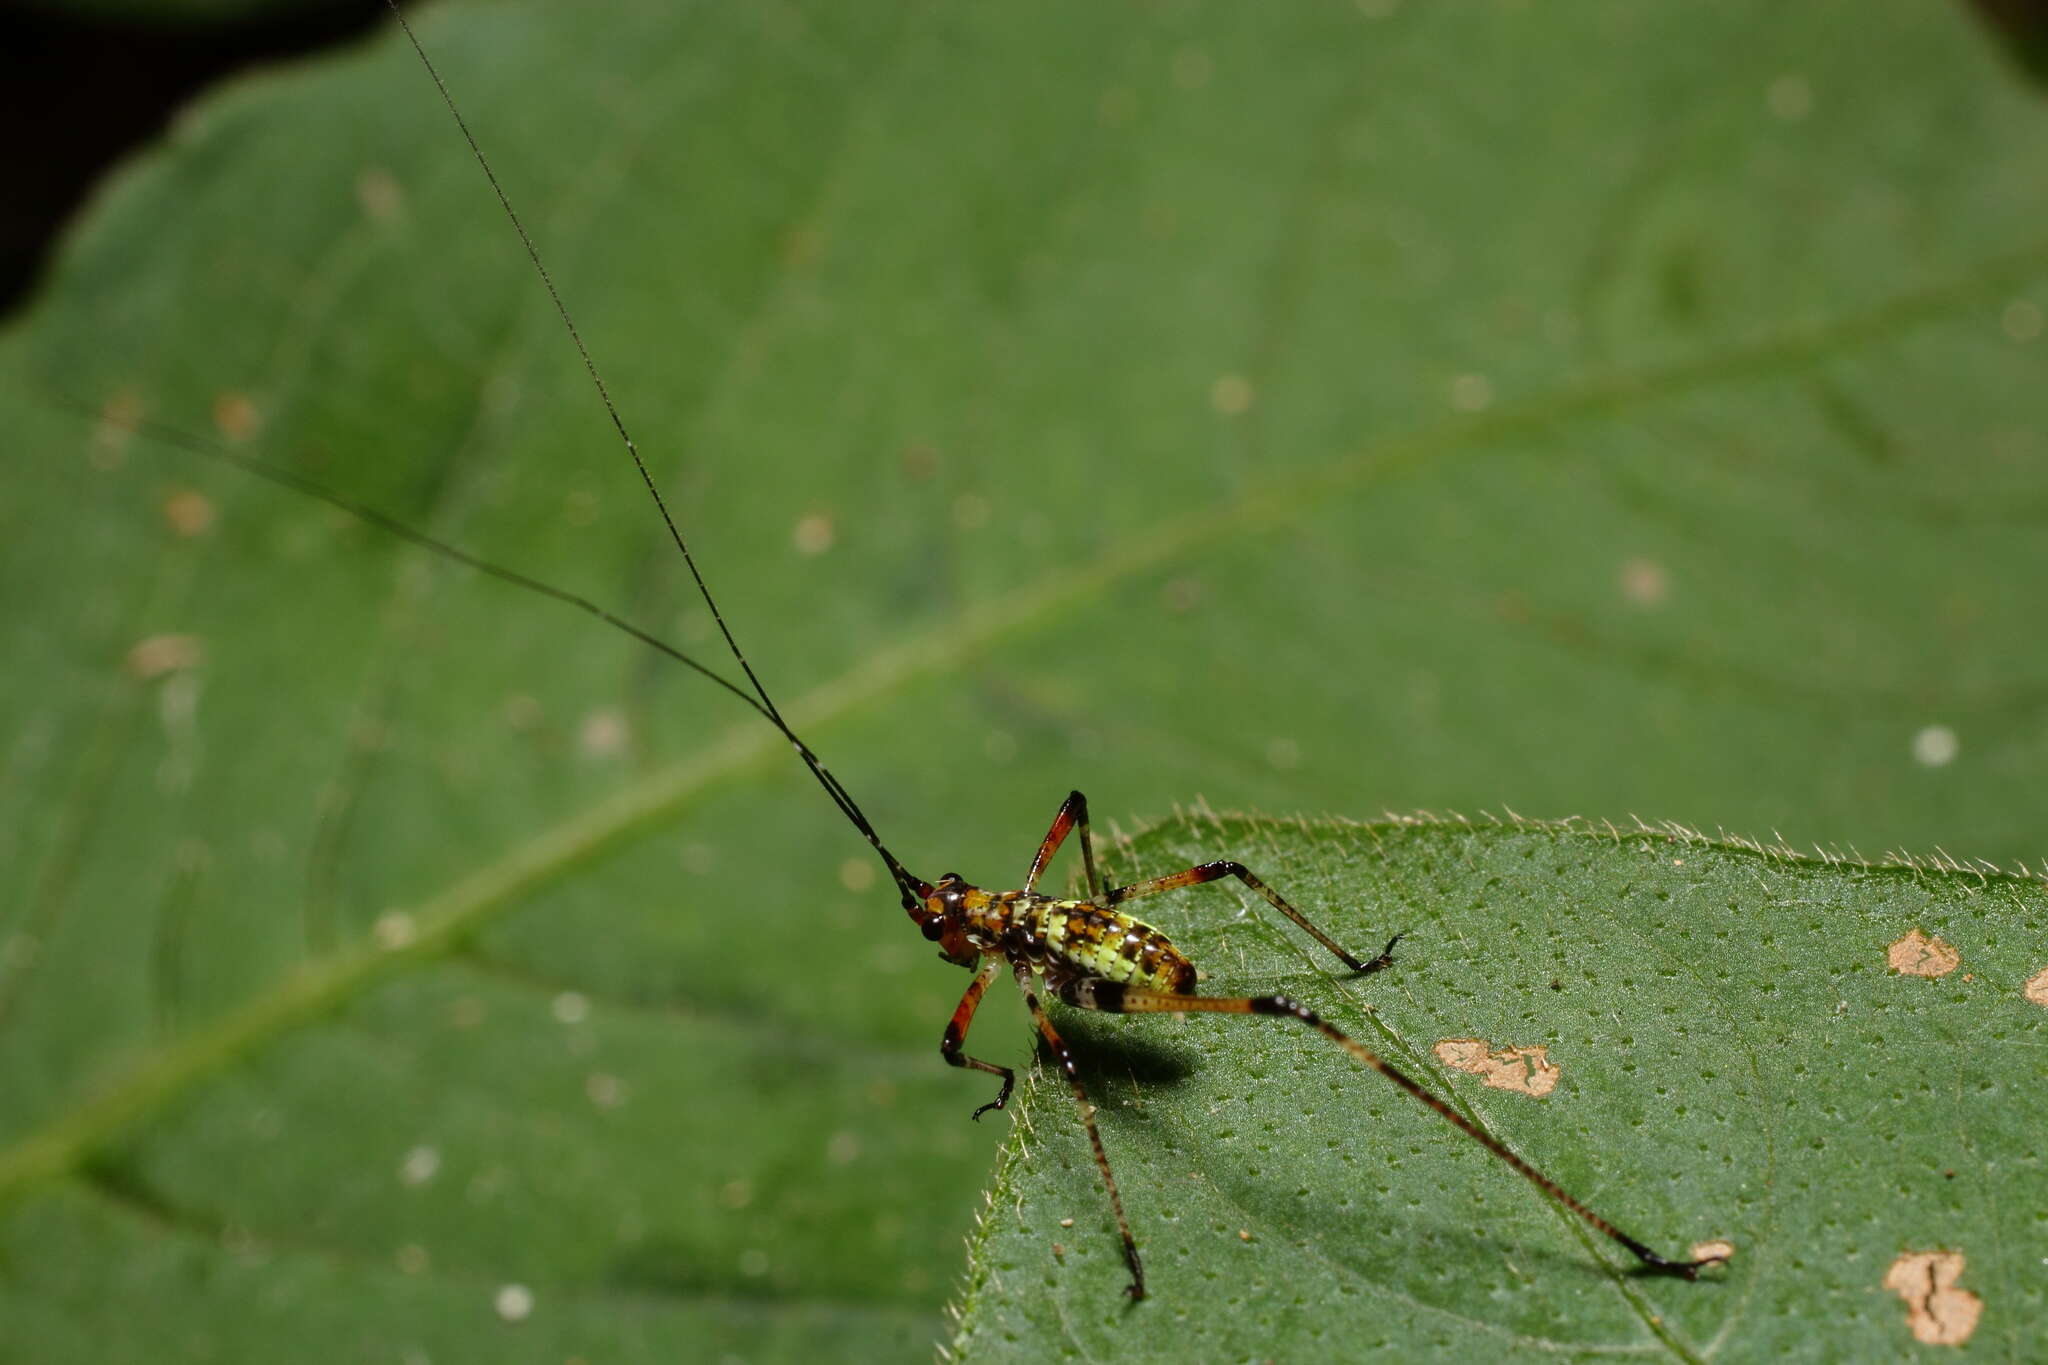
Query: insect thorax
[1067,940]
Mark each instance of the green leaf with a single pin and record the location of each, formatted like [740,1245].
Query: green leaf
[1734,1060]
[1569,408]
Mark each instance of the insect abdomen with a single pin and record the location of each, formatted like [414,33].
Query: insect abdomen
[1087,940]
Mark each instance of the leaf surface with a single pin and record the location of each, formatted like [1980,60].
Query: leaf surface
[1734,1057]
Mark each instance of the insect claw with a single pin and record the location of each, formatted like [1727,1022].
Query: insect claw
[1380,963]
[1685,1270]
[1002,1100]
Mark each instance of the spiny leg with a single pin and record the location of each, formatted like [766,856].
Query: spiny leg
[956,1035]
[1073,811]
[1209,872]
[1136,1288]
[1096,994]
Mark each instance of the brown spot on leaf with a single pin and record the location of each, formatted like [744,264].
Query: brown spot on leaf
[1524,1070]
[1644,582]
[189,513]
[1718,1249]
[1918,955]
[1231,395]
[813,534]
[856,874]
[2037,988]
[379,195]
[157,655]
[120,416]
[602,734]
[1938,1313]
[235,416]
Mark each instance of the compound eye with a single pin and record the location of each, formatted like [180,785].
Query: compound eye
[934,929]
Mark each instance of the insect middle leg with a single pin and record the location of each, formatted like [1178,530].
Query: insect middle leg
[1209,872]
[1094,993]
[1073,812]
[1136,1288]
[956,1035]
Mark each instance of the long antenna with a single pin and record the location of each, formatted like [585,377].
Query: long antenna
[290,478]
[167,434]
[912,888]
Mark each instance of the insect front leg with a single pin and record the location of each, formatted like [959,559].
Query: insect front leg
[1095,993]
[956,1036]
[1065,1058]
[1073,812]
[1209,872]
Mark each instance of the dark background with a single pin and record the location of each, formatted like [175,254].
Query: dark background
[82,85]
[79,90]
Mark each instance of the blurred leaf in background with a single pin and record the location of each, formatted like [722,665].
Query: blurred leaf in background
[1573,408]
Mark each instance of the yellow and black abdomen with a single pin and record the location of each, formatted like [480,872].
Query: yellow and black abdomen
[1085,940]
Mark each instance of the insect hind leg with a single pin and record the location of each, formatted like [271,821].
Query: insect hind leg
[1073,813]
[1065,1058]
[1209,872]
[1113,997]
